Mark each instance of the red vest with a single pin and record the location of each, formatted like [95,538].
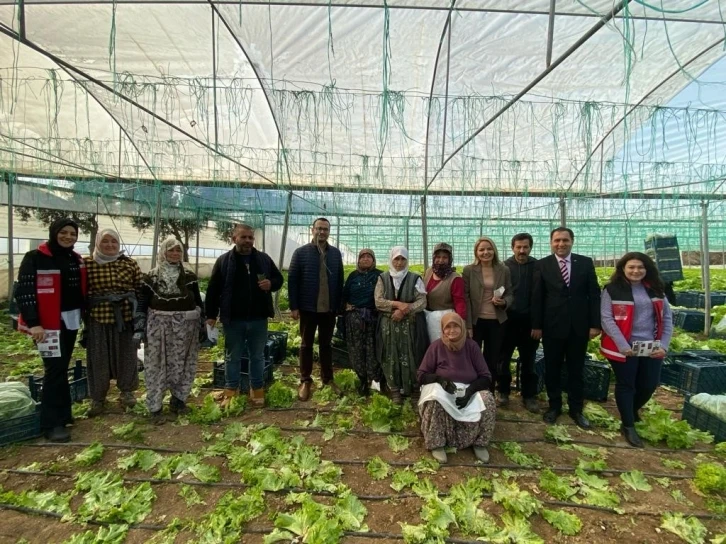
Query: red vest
[48,294]
[623,312]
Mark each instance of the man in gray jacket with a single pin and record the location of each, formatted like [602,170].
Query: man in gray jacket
[519,325]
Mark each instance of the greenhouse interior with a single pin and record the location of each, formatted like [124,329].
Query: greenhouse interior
[404,123]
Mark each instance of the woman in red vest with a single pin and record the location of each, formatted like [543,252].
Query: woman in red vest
[51,295]
[635,313]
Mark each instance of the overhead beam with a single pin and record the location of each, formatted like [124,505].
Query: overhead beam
[364,5]
[648,193]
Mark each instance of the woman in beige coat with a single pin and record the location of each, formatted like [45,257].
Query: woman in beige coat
[488,293]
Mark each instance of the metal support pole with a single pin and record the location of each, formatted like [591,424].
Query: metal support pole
[21,19]
[627,235]
[337,232]
[705,262]
[157,226]
[196,256]
[11,261]
[283,243]
[424,233]
[264,233]
[563,212]
[550,32]
[407,229]
[214,82]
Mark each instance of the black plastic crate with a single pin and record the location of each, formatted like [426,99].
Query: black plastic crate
[703,377]
[340,357]
[77,380]
[691,320]
[704,421]
[687,299]
[672,368]
[596,378]
[20,428]
[661,242]
[718,298]
[280,338]
[244,378]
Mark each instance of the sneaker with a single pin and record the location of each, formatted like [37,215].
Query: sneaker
[503,399]
[482,454]
[127,399]
[58,434]
[97,408]
[531,405]
[157,418]
[440,455]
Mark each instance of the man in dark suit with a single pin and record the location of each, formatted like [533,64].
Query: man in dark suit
[565,314]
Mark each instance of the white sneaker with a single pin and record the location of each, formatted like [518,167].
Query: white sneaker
[481,453]
[439,454]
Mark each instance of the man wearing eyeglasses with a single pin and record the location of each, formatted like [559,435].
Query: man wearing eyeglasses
[315,288]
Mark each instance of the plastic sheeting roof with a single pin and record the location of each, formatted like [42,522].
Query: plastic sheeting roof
[360,96]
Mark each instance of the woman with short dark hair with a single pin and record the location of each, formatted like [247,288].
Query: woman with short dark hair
[637,328]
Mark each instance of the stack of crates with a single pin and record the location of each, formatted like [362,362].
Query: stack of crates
[596,377]
[664,251]
[695,371]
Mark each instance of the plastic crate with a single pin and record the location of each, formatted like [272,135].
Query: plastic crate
[691,320]
[703,377]
[718,298]
[596,377]
[340,357]
[704,421]
[77,380]
[280,338]
[672,368]
[661,242]
[687,299]
[244,378]
[20,428]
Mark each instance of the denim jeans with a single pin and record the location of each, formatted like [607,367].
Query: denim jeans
[244,338]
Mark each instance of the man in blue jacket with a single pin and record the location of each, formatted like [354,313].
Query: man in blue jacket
[315,288]
[239,292]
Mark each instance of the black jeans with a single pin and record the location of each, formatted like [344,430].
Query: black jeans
[325,324]
[490,332]
[568,351]
[635,382]
[55,408]
[519,335]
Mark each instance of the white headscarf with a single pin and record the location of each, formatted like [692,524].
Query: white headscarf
[397,275]
[98,255]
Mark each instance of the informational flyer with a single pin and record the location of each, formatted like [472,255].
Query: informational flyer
[644,349]
[50,346]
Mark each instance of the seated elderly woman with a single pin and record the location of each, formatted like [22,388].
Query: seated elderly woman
[457,409]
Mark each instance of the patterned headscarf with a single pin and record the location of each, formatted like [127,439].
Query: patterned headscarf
[365,251]
[442,271]
[169,272]
[98,255]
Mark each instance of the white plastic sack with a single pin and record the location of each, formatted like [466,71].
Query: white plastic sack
[471,413]
[713,404]
[15,400]
[720,327]
[433,323]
